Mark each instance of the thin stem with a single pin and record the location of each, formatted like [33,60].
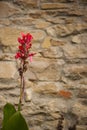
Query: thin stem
[22,85]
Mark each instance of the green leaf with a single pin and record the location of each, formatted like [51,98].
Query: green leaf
[8,111]
[16,122]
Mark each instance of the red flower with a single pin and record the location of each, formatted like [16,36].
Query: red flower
[23,52]
[26,38]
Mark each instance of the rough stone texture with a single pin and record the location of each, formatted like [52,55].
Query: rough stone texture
[56,81]
[27,3]
[7,69]
[6,9]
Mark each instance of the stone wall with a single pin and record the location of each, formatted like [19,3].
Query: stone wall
[56,81]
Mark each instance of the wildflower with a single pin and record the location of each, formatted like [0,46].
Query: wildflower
[25,44]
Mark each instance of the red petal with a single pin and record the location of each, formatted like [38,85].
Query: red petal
[21,48]
[29,37]
[31,54]
[21,41]
[18,55]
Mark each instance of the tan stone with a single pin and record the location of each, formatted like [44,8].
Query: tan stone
[7,70]
[54,6]
[82,93]
[58,104]
[28,3]
[46,43]
[39,64]
[22,21]
[58,69]
[4,86]
[76,39]
[28,94]
[54,20]
[52,52]
[51,73]
[5,22]
[76,71]
[2,101]
[46,89]
[53,1]
[55,42]
[41,24]
[66,30]
[74,51]
[59,30]
[7,9]
[30,75]
[75,12]
[79,109]
[81,68]
[81,26]
[51,31]
[38,35]
[9,35]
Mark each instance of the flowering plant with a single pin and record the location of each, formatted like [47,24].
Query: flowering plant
[13,119]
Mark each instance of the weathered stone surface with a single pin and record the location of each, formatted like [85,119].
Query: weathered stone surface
[51,73]
[39,64]
[54,20]
[2,100]
[79,109]
[8,69]
[52,52]
[9,35]
[23,21]
[27,3]
[65,30]
[28,94]
[38,35]
[7,9]
[76,39]
[74,51]
[75,71]
[46,43]
[31,75]
[57,42]
[7,86]
[56,79]
[82,93]
[41,24]
[65,11]
[4,22]
[53,1]
[53,6]
[48,88]
[81,127]
[83,120]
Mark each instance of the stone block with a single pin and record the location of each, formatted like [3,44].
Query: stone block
[7,9]
[7,70]
[9,35]
[75,72]
[53,6]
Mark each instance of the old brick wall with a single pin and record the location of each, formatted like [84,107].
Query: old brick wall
[56,81]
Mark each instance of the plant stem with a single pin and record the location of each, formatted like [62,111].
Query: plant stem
[22,85]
